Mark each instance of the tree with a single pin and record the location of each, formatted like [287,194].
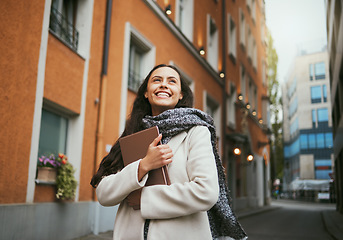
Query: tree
[274,94]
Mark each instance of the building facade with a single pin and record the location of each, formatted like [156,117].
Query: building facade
[307,124]
[69,75]
[334,13]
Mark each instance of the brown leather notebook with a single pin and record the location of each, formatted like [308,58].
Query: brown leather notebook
[135,146]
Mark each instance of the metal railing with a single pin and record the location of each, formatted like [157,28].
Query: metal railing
[62,28]
[135,80]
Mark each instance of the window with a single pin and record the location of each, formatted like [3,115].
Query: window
[249,45]
[303,141]
[325,96]
[63,17]
[311,141]
[323,174]
[253,95]
[328,140]
[316,94]
[242,28]
[292,88]
[243,82]
[323,115]
[212,108]
[140,59]
[231,111]
[311,72]
[232,37]
[319,70]
[253,10]
[323,168]
[294,127]
[292,149]
[53,133]
[254,54]
[320,140]
[314,118]
[135,68]
[322,162]
[293,107]
[212,43]
[184,17]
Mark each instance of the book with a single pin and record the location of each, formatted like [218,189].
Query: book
[135,146]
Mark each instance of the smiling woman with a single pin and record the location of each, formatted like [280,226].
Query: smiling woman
[188,149]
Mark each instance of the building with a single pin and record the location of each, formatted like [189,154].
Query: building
[334,9]
[307,124]
[69,73]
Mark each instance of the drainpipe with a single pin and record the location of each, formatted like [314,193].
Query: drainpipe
[101,111]
[102,92]
[224,54]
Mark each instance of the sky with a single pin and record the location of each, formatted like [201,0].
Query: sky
[295,23]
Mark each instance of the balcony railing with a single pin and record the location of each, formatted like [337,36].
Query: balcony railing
[135,81]
[62,28]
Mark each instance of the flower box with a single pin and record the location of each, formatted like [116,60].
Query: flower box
[46,174]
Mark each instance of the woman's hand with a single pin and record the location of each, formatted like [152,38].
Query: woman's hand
[157,156]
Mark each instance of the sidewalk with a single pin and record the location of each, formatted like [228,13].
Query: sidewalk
[333,222]
[240,214]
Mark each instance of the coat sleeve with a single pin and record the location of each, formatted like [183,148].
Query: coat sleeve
[115,188]
[200,193]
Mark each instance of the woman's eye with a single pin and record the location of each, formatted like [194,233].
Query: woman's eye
[156,80]
[172,81]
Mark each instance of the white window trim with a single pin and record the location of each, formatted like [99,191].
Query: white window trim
[242,28]
[232,45]
[189,27]
[231,113]
[148,61]
[212,52]
[216,118]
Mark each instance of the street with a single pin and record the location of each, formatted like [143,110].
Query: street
[292,220]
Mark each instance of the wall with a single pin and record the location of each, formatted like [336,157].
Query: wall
[18,67]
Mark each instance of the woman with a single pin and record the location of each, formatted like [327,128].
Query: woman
[196,204]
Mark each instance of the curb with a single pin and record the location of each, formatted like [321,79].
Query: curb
[256,211]
[331,226]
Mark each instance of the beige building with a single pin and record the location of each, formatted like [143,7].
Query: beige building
[307,124]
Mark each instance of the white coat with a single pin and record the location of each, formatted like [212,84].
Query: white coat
[177,211]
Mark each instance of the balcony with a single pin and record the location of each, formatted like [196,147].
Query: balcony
[63,29]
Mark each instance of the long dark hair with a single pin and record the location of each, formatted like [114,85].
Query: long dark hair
[113,162]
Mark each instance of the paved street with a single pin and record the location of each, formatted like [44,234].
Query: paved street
[293,221]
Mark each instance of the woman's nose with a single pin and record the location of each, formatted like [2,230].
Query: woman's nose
[163,84]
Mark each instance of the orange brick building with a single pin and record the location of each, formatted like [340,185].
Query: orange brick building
[69,72]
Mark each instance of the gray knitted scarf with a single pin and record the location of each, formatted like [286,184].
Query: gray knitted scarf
[222,220]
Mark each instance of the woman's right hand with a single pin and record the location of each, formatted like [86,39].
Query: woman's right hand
[157,156]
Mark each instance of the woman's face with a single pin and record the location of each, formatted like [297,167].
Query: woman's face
[163,90]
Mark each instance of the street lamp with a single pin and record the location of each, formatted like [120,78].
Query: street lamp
[237,151]
[250,157]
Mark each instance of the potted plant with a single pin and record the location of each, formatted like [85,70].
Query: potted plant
[57,170]
[65,182]
[47,168]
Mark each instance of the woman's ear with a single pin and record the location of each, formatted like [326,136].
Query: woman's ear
[181,96]
[146,94]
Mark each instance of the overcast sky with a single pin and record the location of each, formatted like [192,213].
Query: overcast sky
[295,23]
